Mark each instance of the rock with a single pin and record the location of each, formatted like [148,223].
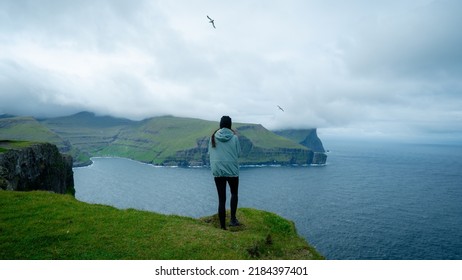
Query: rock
[319,158]
[167,140]
[36,166]
[306,137]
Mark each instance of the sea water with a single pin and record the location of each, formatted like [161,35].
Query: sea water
[371,201]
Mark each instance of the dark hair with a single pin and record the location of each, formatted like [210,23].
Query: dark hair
[224,122]
[214,143]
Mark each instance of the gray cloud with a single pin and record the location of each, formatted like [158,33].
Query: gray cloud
[380,69]
[422,43]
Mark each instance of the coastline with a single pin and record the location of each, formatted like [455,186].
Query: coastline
[89,163]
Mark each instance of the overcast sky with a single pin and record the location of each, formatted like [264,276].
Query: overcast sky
[390,68]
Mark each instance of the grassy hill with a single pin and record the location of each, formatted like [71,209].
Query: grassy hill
[170,140]
[6,145]
[164,140]
[29,129]
[42,225]
[158,140]
[87,132]
[306,137]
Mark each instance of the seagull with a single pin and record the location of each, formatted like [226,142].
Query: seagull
[280,108]
[211,21]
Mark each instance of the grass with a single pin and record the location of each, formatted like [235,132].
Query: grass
[43,225]
[6,145]
[261,137]
[29,129]
[160,140]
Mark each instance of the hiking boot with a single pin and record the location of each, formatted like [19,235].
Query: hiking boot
[234,223]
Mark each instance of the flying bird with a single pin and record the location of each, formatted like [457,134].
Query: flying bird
[211,21]
[280,108]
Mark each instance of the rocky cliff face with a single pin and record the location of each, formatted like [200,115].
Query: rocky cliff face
[308,138]
[250,155]
[36,167]
[319,158]
[163,140]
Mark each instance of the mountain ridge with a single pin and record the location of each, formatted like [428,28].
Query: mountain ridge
[164,140]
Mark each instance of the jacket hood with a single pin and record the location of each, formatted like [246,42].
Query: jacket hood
[224,135]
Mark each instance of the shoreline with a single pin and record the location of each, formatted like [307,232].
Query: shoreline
[81,165]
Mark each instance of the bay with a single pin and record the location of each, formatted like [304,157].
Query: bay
[371,201]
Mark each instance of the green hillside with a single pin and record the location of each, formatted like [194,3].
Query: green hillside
[6,145]
[164,140]
[263,138]
[306,137]
[159,140]
[184,141]
[29,129]
[48,226]
[86,132]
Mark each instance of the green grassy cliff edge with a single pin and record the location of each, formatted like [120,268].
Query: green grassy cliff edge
[44,225]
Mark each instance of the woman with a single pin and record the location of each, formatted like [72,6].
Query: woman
[224,150]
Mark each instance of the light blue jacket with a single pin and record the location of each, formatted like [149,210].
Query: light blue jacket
[224,157]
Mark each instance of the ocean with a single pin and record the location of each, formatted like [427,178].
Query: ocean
[371,201]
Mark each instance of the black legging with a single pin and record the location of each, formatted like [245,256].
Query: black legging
[220,182]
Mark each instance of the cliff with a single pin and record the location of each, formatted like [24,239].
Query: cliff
[163,140]
[26,166]
[308,138]
[184,142]
[45,226]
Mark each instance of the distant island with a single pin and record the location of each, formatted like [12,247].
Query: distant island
[164,141]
